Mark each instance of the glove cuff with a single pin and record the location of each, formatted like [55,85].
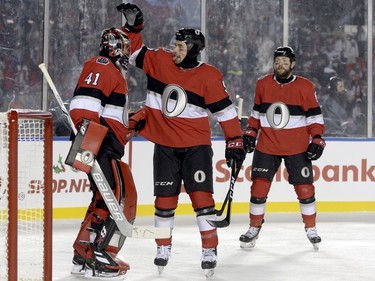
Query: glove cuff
[135,29]
[233,138]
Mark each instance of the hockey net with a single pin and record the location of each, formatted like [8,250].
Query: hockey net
[25,195]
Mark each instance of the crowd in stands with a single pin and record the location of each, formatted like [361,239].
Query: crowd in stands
[329,38]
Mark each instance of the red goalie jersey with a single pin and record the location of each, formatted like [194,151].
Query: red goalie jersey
[287,114]
[101,92]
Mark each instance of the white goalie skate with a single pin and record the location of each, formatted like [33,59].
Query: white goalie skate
[163,254]
[313,237]
[249,238]
[209,260]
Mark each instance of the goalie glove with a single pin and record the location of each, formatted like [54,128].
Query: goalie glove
[234,152]
[133,16]
[137,120]
[315,148]
[249,138]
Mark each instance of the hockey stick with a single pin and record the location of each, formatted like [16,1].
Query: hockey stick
[234,174]
[124,226]
[228,200]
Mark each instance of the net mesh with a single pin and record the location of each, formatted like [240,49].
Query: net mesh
[30,198]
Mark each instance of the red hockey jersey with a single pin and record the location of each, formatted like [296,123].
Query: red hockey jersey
[178,99]
[286,114]
[101,92]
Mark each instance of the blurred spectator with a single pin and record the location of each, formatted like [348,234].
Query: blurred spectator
[337,107]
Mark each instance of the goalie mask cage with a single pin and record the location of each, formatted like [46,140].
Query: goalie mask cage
[25,195]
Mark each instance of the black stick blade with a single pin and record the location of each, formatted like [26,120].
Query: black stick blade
[219,224]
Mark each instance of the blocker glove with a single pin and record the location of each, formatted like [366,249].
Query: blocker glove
[234,152]
[315,148]
[133,16]
[249,138]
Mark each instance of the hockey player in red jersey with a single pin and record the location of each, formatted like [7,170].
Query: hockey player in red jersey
[179,91]
[285,115]
[98,109]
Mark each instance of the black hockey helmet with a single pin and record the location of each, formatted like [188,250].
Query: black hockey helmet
[194,39]
[285,51]
[114,44]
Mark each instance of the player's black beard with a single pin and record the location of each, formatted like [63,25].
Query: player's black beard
[283,80]
[285,77]
[189,62]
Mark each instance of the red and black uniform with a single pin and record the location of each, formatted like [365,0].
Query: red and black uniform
[178,123]
[100,96]
[304,115]
[286,115]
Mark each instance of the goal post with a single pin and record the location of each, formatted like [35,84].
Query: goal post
[25,195]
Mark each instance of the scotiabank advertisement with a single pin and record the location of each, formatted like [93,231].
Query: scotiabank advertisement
[345,174]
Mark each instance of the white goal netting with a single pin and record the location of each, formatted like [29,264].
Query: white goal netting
[29,154]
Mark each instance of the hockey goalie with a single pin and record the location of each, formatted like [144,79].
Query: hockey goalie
[98,110]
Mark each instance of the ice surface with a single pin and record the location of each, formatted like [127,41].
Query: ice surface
[282,252]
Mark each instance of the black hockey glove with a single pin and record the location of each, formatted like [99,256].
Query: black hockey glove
[249,138]
[315,148]
[234,152]
[133,16]
[137,120]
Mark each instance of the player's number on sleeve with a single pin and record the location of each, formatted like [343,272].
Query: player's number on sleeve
[92,79]
[173,107]
[278,121]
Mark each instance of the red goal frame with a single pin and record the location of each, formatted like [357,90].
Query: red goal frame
[14,116]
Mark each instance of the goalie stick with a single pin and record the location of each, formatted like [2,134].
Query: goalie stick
[233,177]
[116,211]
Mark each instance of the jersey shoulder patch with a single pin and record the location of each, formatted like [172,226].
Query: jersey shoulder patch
[102,60]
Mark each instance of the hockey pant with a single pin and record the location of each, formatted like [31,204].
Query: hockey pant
[99,237]
[259,192]
[204,208]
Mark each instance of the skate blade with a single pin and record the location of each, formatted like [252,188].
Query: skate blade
[102,278]
[160,269]
[315,246]
[209,272]
[247,245]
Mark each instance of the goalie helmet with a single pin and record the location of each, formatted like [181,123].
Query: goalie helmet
[285,51]
[194,39]
[114,44]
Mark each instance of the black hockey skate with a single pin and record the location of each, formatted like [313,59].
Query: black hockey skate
[102,271]
[313,237]
[162,256]
[209,260]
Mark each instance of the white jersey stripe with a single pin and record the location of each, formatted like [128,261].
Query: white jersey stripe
[87,103]
[191,111]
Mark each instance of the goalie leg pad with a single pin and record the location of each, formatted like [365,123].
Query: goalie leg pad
[126,192]
[106,242]
[84,238]
[86,145]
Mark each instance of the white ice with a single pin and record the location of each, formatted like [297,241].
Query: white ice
[282,252]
